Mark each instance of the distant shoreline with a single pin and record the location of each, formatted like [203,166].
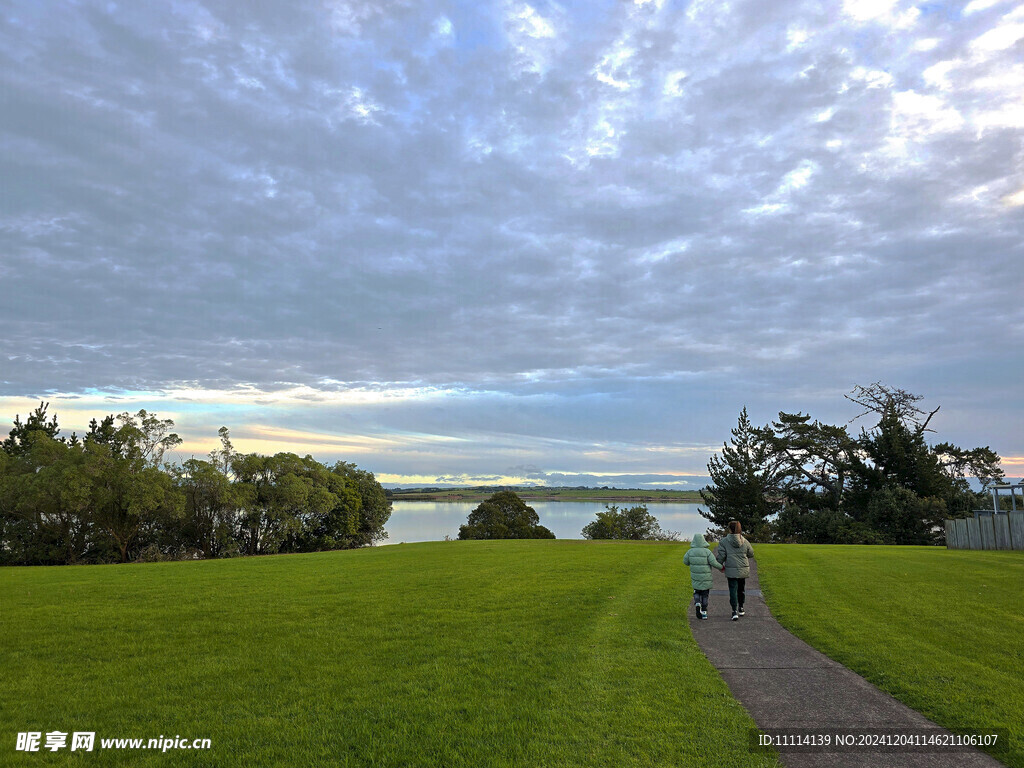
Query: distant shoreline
[611,495]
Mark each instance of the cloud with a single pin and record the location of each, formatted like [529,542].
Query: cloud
[520,233]
[532,36]
[979,5]
[885,12]
[1001,37]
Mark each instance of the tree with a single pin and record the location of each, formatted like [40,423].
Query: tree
[886,485]
[293,504]
[375,507]
[897,514]
[634,524]
[113,497]
[338,525]
[150,436]
[607,525]
[958,464]
[815,457]
[19,441]
[44,501]
[274,496]
[132,496]
[748,482]
[211,516]
[905,487]
[881,399]
[504,516]
[142,436]
[222,458]
[57,496]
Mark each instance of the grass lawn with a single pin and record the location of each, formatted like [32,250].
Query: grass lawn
[942,631]
[536,653]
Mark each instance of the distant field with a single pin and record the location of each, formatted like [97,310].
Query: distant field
[942,631]
[552,494]
[535,653]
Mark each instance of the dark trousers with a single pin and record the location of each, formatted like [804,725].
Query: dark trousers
[701,596]
[736,592]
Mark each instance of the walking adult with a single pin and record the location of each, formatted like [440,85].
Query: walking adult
[733,552]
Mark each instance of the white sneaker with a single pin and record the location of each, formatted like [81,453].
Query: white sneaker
[741,611]
[735,616]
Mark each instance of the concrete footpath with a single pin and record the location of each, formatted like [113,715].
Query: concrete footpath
[785,683]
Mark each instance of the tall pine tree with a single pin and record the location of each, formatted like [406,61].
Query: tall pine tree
[748,483]
[19,442]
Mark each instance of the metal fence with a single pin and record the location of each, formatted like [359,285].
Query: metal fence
[986,532]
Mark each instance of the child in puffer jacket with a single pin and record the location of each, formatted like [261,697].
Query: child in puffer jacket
[701,560]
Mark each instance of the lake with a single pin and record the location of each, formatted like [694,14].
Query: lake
[433,520]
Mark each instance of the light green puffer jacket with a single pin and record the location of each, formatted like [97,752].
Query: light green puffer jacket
[734,550]
[701,560]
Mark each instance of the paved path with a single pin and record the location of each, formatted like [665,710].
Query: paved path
[785,683]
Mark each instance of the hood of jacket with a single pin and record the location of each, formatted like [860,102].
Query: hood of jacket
[698,540]
[736,539]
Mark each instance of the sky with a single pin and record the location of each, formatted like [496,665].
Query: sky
[488,242]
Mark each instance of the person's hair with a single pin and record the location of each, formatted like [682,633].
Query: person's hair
[734,526]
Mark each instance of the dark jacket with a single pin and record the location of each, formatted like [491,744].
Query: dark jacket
[733,551]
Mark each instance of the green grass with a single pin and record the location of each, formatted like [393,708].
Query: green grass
[940,630]
[474,654]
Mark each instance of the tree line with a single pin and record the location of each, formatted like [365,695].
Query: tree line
[110,496]
[807,481]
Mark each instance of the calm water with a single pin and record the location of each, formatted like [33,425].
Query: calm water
[432,520]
